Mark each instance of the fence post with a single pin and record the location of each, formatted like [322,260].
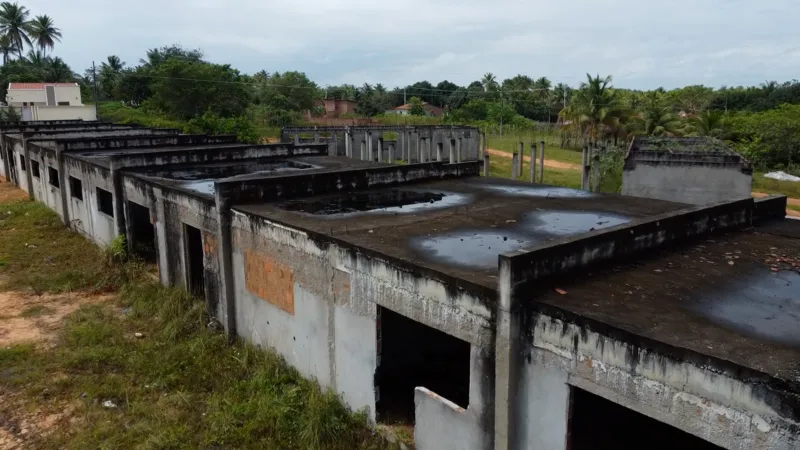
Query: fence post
[458,150]
[533,162]
[514,163]
[521,159]
[541,162]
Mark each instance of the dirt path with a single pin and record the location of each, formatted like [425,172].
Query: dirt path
[547,162]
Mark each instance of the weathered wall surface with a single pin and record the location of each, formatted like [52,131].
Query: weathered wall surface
[85,215]
[714,406]
[315,303]
[693,184]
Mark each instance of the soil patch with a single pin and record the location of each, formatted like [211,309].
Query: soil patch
[547,162]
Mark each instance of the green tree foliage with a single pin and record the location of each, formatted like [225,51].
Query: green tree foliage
[211,123]
[416,107]
[655,118]
[43,32]
[15,23]
[288,91]
[373,101]
[185,89]
[771,139]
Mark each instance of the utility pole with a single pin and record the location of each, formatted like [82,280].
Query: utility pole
[405,102]
[94,77]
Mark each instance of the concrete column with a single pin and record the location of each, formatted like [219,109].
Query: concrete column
[541,162]
[596,170]
[458,149]
[418,150]
[486,166]
[161,239]
[363,154]
[316,137]
[119,198]
[225,254]
[348,144]
[26,153]
[369,147]
[583,169]
[3,148]
[521,159]
[391,153]
[533,162]
[380,149]
[514,165]
[297,139]
[333,145]
[439,151]
[62,182]
[507,364]
[452,151]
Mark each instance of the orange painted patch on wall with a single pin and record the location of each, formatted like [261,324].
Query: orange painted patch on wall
[269,280]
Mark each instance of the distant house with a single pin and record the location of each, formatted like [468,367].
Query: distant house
[48,101]
[405,110]
[334,108]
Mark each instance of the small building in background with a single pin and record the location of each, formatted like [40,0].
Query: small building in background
[405,110]
[49,101]
[694,170]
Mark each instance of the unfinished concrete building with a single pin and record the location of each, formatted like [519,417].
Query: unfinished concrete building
[695,170]
[386,143]
[490,314]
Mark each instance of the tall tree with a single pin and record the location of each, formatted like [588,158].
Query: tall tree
[110,76]
[596,105]
[14,23]
[7,47]
[489,82]
[43,32]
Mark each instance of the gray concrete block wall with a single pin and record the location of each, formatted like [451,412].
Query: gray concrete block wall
[684,183]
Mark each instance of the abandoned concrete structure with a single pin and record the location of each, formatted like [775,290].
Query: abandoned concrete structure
[695,170]
[393,143]
[492,314]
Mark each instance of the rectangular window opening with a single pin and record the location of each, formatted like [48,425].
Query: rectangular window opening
[412,355]
[52,177]
[105,202]
[599,424]
[143,233]
[22,165]
[195,272]
[75,188]
[35,168]
[63,103]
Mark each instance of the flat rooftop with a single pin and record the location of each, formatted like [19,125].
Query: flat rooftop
[102,157]
[734,297]
[198,178]
[458,226]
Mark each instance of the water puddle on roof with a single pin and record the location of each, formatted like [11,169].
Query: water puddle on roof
[203,187]
[476,248]
[565,223]
[394,201]
[538,191]
[765,304]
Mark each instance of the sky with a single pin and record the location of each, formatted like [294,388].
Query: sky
[642,44]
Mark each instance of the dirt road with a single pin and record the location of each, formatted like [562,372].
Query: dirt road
[547,162]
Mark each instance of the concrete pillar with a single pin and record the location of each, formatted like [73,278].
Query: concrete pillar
[452,151]
[541,162]
[458,149]
[348,144]
[486,166]
[6,167]
[521,159]
[316,137]
[119,198]
[363,155]
[161,239]
[370,156]
[62,182]
[439,151]
[380,149]
[507,363]
[26,153]
[225,254]
[297,139]
[533,162]
[583,168]
[418,150]
[514,165]
[596,170]
[391,153]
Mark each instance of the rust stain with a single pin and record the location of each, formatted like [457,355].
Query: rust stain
[209,244]
[269,280]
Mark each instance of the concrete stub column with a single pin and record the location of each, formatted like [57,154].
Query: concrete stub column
[391,153]
[486,164]
[596,170]
[380,149]
[316,137]
[439,151]
[541,162]
[452,151]
[514,164]
[348,144]
[533,162]
[369,147]
[225,255]
[62,182]
[407,154]
[297,139]
[583,169]
[418,151]
[458,149]
[26,153]
[6,166]
[521,159]
[119,198]
[363,154]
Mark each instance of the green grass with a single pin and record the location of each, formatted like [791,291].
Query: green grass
[510,144]
[501,168]
[36,311]
[180,385]
[770,186]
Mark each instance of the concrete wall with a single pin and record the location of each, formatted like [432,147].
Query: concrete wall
[71,94]
[693,184]
[316,304]
[85,216]
[86,113]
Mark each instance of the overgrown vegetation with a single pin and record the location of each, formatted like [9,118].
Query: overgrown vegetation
[149,369]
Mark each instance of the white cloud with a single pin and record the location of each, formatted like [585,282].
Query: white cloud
[643,45]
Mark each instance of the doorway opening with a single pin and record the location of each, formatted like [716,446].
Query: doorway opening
[195,279]
[412,355]
[599,424]
[143,233]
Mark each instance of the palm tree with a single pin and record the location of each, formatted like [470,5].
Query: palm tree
[710,123]
[43,31]
[596,105]
[36,59]
[14,23]
[7,47]
[109,75]
[58,71]
[489,82]
[656,119]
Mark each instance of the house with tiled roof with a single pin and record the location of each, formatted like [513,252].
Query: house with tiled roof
[48,101]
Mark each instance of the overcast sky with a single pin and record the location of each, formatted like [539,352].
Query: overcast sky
[643,44]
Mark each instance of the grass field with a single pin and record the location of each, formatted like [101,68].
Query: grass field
[501,168]
[552,151]
[140,366]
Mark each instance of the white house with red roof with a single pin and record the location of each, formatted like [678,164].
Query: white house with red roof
[49,101]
